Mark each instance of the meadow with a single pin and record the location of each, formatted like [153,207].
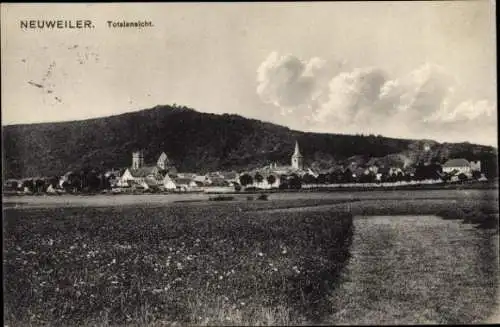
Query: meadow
[167,262]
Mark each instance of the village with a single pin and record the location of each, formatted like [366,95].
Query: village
[163,176]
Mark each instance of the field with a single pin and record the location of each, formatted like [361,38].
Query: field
[155,260]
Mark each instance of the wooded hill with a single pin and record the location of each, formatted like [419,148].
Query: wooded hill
[200,142]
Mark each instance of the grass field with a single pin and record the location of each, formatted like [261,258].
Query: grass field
[187,264]
[417,270]
[138,262]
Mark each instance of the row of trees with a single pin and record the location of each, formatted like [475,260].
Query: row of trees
[422,172]
[85,180]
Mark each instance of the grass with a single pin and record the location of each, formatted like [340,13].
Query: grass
[417,269]
[170,265]
[274,262]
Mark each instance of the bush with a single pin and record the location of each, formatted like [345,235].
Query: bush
[263,197]
[221,198]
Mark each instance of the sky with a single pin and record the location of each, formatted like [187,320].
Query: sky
[424,70]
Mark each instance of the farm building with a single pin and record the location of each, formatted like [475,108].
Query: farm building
[146,176]
[168,183]
[458,166]
[139,176]
[185,184]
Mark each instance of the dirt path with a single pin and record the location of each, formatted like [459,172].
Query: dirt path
[413,270]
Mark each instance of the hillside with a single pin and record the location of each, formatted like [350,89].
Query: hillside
[196,142]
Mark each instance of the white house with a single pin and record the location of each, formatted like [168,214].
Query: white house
[458,166]
[185,184]
[168,183]
[141,176]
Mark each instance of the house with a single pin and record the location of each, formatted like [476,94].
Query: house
[168,183]
[146,176]
[457,166]
[475,165]
[229,176]
[202,180]
[113,176]
[139,176]
[163,162]
[187,175]
[185,184]
[394,171]
[12,184]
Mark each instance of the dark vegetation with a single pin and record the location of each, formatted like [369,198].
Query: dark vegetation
[221,198]
[272,262]
[212,264]
[199,142]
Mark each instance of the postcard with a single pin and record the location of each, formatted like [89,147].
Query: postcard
[270,163]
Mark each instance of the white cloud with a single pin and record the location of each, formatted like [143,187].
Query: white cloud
[318,96]
[351,94]
[465,111]
[290,83]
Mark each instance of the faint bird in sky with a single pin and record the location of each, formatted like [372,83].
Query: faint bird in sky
[58,99]
[49,72]
[36,84]
[73,47]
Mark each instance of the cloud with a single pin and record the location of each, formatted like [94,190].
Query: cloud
[292,84]
[351,96]
[321,96]
[465,111]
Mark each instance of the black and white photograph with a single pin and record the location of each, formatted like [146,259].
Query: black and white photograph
[249,163]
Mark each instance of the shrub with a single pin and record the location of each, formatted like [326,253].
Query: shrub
[262,197]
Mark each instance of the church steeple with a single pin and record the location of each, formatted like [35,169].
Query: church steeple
[297,151]
[297,158]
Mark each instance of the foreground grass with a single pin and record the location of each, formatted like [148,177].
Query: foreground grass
[209,264]
[234,263]
[417,270]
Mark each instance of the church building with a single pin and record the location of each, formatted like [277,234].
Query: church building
[297,158]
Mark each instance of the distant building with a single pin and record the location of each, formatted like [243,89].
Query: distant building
[163,161]
[185,184]
[297,158]
[168,183]
[137,159]
[458,165]
[144,176]
[475,165]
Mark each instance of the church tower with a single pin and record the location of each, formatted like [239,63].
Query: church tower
[137,159]
[297,158]
[163,161]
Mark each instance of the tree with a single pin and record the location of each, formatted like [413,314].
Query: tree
[258,178]
[39,185]
[294,182]
[446,177]
[283,182]
[476,174]
[322,178]
[347,176]
[308,179]
[93,180]
[246,179]
[28,184]
[367,178]
[271,179]
[462,177]
[73,182]
[53,181]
